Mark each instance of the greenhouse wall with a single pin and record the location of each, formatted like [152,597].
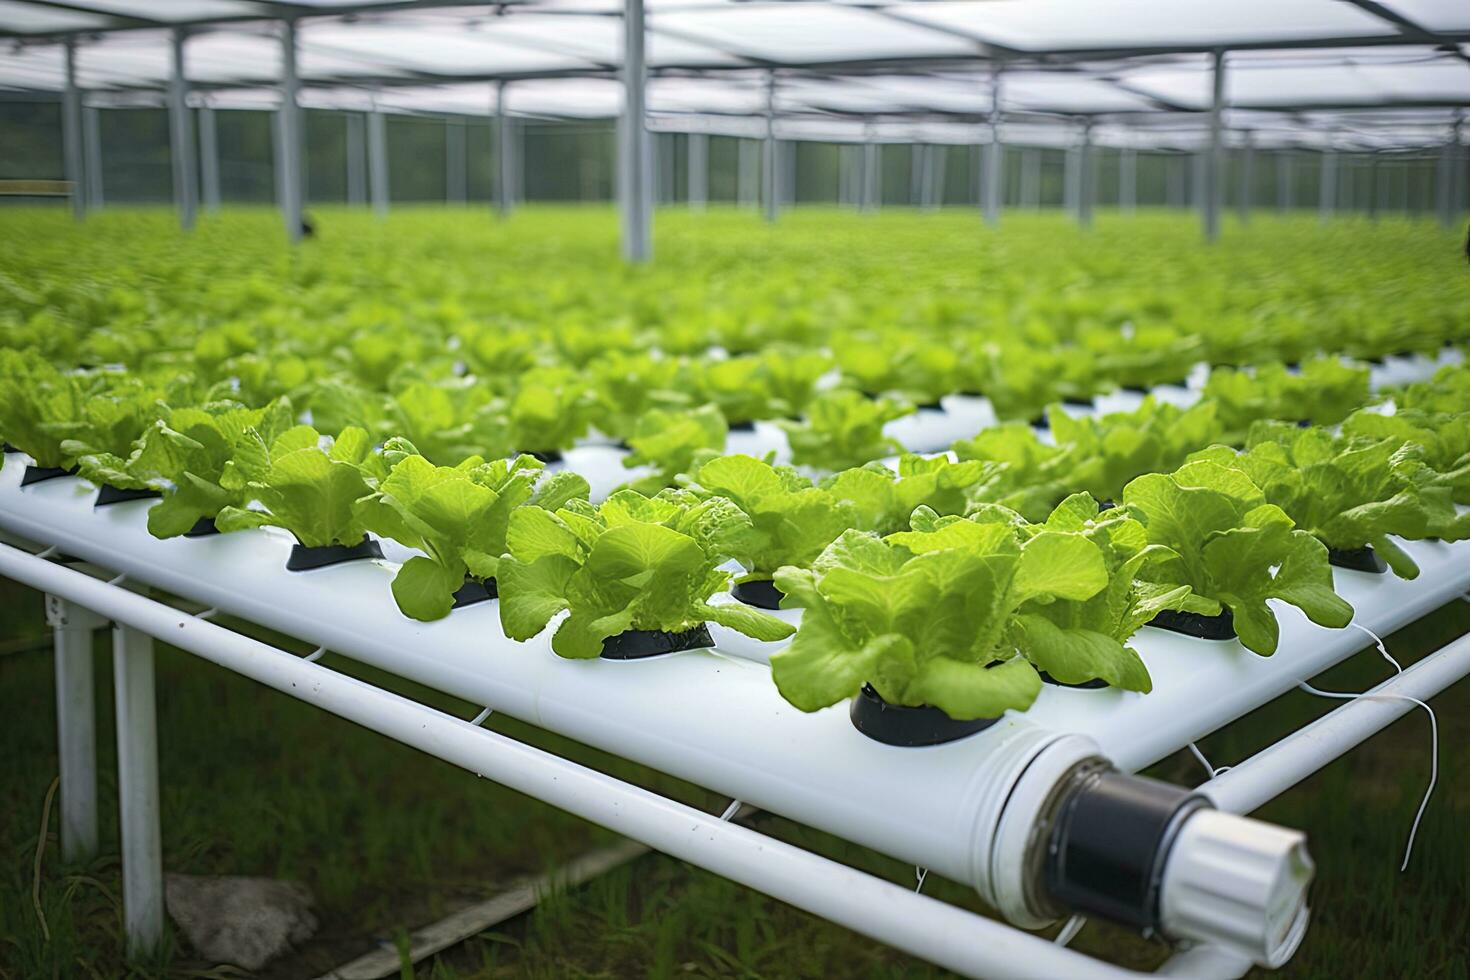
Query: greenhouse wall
[575,161]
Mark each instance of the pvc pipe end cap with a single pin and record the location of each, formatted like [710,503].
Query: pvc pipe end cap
[1240,884]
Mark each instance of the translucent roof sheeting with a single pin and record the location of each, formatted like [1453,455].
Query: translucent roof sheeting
[845,67]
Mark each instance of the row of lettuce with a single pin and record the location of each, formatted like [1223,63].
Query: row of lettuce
[952,582]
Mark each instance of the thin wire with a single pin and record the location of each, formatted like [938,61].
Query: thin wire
[1433,730]
[1433,752]
[731,810]
[1206,762]
[920,874]
[1378,642]
[1069,931]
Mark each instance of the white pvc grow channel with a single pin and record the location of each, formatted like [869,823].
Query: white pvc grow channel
[713,717]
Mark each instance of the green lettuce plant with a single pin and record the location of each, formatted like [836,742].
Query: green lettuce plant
[1027,475]
[631,563]
[792,520]
[1107,451]
[458,517]
[1442,438]
[1234,550]
[882,499]
[37,403]
[1349,493]
[191,457]
[674,442]
[311,491]
[929,617]
[843,428]
[1324,392]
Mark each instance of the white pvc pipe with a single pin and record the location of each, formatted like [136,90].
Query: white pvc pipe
[895,915]
[1276,769]
[76,722]
[137,778]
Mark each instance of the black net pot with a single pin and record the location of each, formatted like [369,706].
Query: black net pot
[304,559]
[906,727]
[1218,627]
[760,593]
[640,644]
[1363,559]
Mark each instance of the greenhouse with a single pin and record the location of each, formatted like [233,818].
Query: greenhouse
[783,488]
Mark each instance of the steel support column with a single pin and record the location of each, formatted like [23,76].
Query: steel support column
[1327,186]
[137,789]
[1030,178]
[1176,180]
[918,167]
[1285,189]
[209,159]
[1214,161]
[697,163]
[1086,184]
[1072,180]
[993,154]
[355,143]
[71,134]
[939,164]
[633,150]
[456,172]
[1128,179]
[92,156]
[76,720]
[293,199]
[770,173]
[1373,186]
[872,197]
[506,155]
[1246,192]
[1457,169]
[377,153]
[181,135]
[747,173]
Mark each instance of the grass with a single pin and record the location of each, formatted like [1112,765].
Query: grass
[388,840]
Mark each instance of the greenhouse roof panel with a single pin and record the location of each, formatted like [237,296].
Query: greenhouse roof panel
[808,33]
[1433,15]
[17,17]
[1063,25]
[176,11]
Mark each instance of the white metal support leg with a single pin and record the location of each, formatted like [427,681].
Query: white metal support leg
[76,735]
[92,152]
[137,789]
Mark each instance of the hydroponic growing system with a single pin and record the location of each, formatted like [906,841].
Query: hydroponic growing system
[942,595]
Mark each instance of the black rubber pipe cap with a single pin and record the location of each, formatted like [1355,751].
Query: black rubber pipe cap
[1109,842]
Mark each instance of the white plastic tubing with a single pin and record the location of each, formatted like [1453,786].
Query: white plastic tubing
[717,720]
[893,914]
